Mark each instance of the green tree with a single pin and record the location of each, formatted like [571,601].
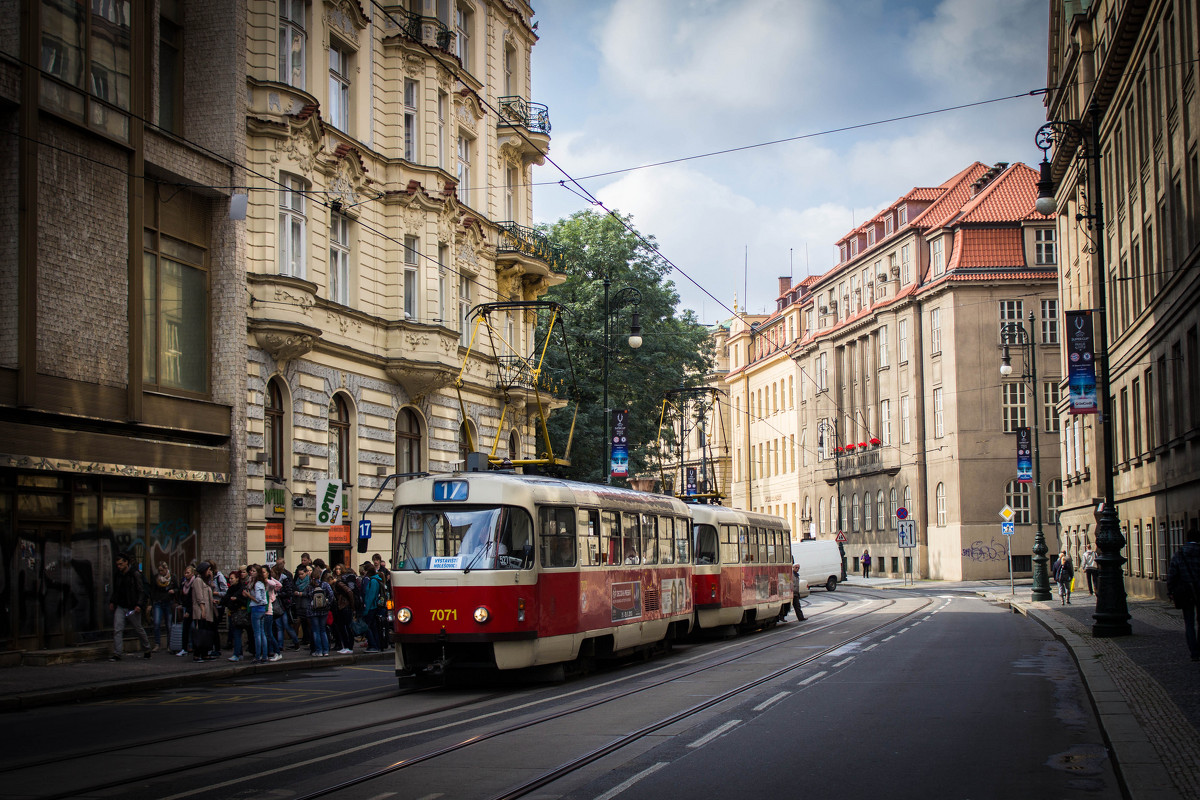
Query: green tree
[675,351]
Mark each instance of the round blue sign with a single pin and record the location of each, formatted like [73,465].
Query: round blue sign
[901,513]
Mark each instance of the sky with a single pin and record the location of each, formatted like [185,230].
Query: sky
[634,82]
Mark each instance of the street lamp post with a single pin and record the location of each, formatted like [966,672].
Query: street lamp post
[825,430]
[622,298]
[1112,611]
[1015,333]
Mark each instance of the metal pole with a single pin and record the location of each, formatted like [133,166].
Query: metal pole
[1041,578]
[604,467]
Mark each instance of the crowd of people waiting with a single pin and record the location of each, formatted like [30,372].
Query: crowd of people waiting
[261,606]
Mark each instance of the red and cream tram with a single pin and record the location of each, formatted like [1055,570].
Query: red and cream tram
[743,573]
[494,569]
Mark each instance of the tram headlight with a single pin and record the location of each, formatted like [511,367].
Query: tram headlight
[482,615]
[404,615]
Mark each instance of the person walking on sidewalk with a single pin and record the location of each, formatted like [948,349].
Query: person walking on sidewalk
[1090,569]
[204,615]
[865,560]
[128,600]
[164,593]
[1183,586]
[1064,573]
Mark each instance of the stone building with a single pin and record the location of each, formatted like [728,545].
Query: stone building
[389,153]
[122,305]
[877,385]
[1131,70]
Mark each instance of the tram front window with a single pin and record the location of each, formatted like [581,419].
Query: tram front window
[465,538]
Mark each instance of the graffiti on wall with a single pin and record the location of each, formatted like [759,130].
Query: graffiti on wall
[991,551]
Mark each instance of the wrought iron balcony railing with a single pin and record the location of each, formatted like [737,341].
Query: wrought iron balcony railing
[519,111]
[429,30]
[516,238]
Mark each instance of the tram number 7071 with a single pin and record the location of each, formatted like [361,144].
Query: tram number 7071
[444,614]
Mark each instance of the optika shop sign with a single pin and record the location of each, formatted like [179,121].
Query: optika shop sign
[329,503]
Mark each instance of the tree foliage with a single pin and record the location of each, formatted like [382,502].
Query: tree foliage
[676,349]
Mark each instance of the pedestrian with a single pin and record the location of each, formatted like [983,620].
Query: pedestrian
[204,615]
[283,570]
[220,587]
[284,596]
[185,602]
[300,603]
[865,560]
[237,611]
[343,611]
[1183,586]
[1064,573]
[164,593]
[1090,569]
[373,592]
[796,597]
[320,600]
[128,600]
[258,600]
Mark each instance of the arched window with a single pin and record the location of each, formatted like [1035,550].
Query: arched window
[940,496]
[1054,497]
[855,512]
[466,436]
[408,441]
[845,509]
[514,446]
[339,440]
[908,505]
[833,520]
[868,515]
[881,511]
[892,507]
[821,516]
[1017,496]
[273,430]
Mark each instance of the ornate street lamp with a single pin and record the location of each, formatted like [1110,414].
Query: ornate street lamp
[626,296]
[1014,333]
[1112,610]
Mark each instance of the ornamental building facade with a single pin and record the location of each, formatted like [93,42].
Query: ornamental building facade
[877,385]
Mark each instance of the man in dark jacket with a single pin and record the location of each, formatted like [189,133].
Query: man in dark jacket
[1183,586]
[126,604]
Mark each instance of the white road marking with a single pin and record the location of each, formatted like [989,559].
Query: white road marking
[620,787]
[703,740]
[888,639]
[812,678]
[870,647]
[770,701]
[844,661]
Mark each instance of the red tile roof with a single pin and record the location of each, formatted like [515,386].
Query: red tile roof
[1010,196]
[987,247]
[958,191]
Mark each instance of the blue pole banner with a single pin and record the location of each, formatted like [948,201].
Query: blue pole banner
[619,459]
[1024,456]
[1081,364]
[691,480]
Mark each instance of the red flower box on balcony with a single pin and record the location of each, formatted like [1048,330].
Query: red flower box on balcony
[876,442]
[850,447]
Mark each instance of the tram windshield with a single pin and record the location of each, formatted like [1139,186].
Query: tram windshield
[465,538]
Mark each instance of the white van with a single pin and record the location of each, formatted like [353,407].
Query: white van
[820,562]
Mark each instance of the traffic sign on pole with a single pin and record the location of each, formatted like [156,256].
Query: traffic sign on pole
[1007,513]
[840,538]
[907,531]
[901,513]
[1008,528]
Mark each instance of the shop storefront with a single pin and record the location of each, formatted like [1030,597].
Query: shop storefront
[59,536]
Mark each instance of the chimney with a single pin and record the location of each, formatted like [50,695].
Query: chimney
[987,177]
[785,283]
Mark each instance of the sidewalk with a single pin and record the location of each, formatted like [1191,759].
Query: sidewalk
[27,687]
[1145,689]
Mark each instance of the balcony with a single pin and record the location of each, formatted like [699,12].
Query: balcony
[525,128]
[526,253]
[429,31]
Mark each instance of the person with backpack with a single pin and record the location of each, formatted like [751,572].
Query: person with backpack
[375,601]
[343,611]
[1064,574]
[320,601]
[1183,586]
[285,596]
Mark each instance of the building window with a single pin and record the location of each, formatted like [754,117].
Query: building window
[464,169]
[292,42]
[939,416]
[443,284]
[854,514]
[408,441]
[412,250]
[1045,250]
[273,430]
[510,193]
[87,64]
[892,507]
[1012,401]
[936,257]
[908,503]
[935,331]
[339,440]
[1010,315]
[175,320]
[464,309]
[940,497]
[292,225]
[905,424]
[1049,322]
[883,347]
[410,119]
[443,104]
[821,516]
[902,336]
[844,507]
[339,87]
[339,259]
[868,514]
[463,19]
[885,421]
[905,265]
[1016,495]
[880,511]
[1054,499]
[902,215]
[1051,394]
[888,225]
[170,67]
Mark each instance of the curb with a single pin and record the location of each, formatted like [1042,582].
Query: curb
[1139,770]
[24,701]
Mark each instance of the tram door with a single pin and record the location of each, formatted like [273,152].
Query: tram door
[39,582]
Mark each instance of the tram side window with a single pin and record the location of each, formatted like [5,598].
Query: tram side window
[593,548]
[649,539]
[683,551]
[610,532]
[516,540]
[706,544]
[557,526]
[729,545]
[631,539]
[666,544]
